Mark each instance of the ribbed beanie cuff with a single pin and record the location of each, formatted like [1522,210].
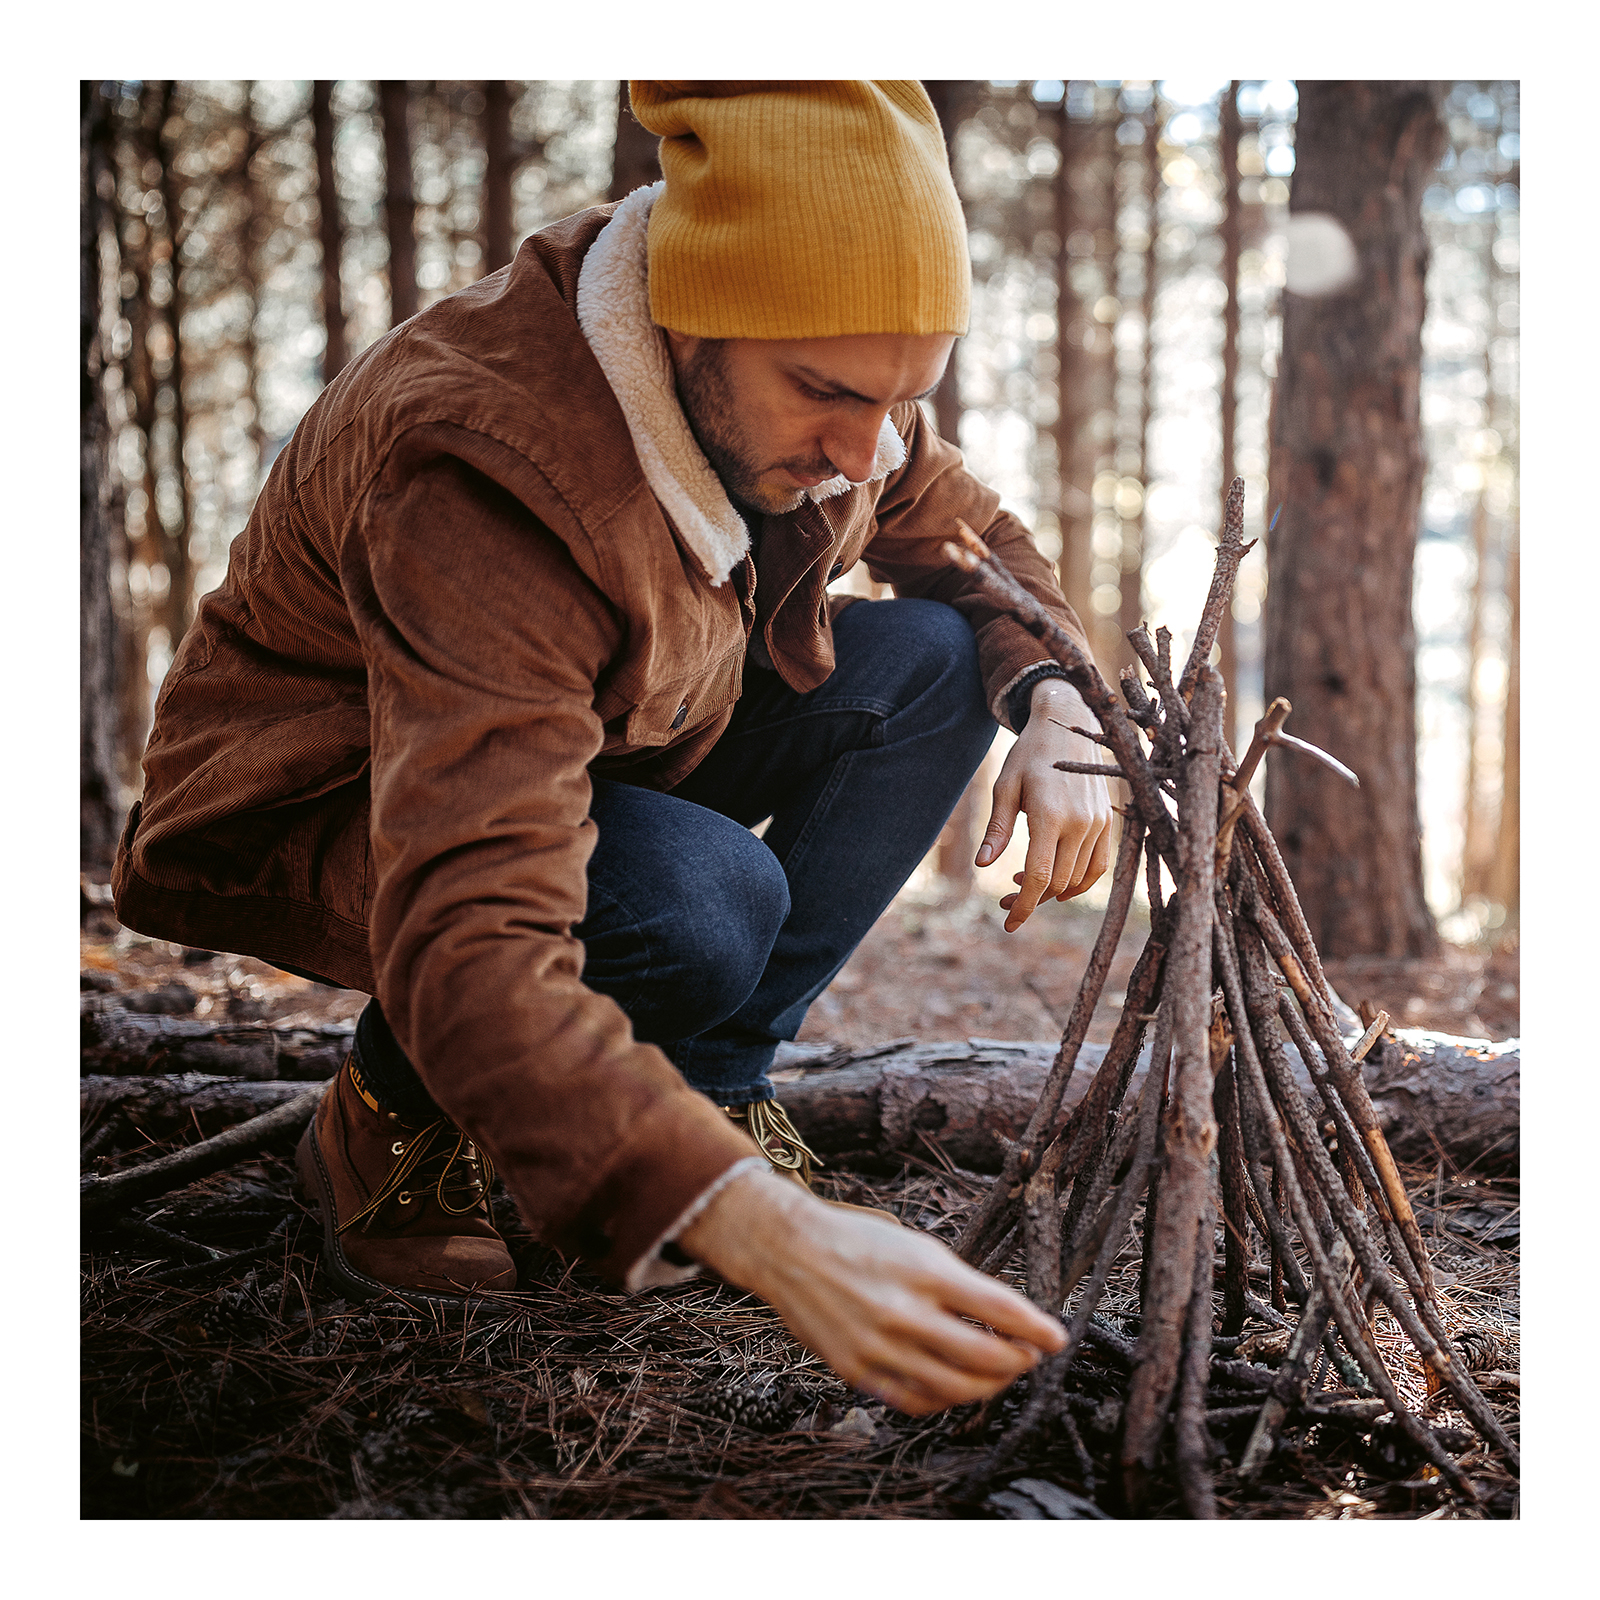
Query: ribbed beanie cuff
[803,210]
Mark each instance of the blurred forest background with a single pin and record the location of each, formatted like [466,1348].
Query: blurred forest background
[1141,292]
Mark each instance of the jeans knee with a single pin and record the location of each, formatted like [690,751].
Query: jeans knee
[716,942]
[932,635]
[928,648]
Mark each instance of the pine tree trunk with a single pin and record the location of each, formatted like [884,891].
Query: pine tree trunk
[1505,882]
[97,706]
[1347,469]
[957,843]
[633,162]
[139,382]
[330,229]
[1131,612]
[399,203]
[1228,155]
[1485,858]
[497,226]
[250,282]
[176,609]
[1074,380]
[1477,830]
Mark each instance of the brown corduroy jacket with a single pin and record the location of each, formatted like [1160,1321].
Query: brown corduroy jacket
[455,600]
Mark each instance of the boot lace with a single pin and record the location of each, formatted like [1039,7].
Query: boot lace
[440,1158]
[780,1141]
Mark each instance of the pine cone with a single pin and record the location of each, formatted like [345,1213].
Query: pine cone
[1481,1348]
[233,1315]
[758,1402]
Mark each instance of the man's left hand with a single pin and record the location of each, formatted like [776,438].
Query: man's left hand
[1069,813]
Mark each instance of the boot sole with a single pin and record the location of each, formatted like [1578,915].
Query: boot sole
[317,1188]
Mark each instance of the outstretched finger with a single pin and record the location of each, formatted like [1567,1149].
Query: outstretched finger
[927,1375]
[1036,875]
[902,1393]
[1098,861]
[1082,872]
[1002,819]
[971,1294]
[974,1350]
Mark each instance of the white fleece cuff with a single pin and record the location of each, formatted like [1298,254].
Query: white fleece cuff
[651,1270]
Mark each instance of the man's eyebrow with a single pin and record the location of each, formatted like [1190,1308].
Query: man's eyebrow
[821,380]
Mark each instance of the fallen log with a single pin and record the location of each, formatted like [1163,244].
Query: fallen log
[99,1196]
[969,1094]
[114,1040]
[1431,1092]
[160,1105]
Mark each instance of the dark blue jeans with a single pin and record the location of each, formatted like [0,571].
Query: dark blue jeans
[715,942]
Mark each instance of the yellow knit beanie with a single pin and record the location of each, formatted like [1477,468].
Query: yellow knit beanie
[802,210]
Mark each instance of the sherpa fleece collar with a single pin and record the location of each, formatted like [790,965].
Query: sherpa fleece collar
[614,314]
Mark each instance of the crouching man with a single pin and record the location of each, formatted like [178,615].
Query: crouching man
[527,631]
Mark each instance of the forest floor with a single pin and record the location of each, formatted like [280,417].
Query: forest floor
[249,1388]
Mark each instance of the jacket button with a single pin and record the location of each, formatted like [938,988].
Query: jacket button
[835,570]
[683,711]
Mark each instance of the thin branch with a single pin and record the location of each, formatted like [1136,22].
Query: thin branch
[1231,550]
[98,1195]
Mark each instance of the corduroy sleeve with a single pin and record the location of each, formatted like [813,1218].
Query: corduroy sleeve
[917,512]
[483,640]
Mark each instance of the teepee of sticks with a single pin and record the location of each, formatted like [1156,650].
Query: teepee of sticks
[1228,971]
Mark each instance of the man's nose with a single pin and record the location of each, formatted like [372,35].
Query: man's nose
[852,444]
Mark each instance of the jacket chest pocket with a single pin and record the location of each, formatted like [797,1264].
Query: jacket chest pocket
[670,711]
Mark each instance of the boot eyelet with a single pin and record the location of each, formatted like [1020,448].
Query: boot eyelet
[397,1148]
[403,1198]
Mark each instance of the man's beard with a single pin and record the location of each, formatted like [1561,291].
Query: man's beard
[707,399]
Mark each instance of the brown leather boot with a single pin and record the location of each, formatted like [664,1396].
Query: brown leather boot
[768,1124]
[405,1207]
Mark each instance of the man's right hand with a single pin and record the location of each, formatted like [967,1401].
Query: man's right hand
[882,1305]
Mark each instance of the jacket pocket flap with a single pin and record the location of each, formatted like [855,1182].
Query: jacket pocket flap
[667,713]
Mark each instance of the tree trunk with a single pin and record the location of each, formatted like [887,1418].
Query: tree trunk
[1505,881]
[135,241]
[250,281]
[177,608]
[1100,438]
[1131,611]
[633,161]
[1074,380]
[399,204]
[1477,831]
[1489,866]
[958,841]
[497,227]
[99,812]
[1347,469]
[1228,155]
[330,229]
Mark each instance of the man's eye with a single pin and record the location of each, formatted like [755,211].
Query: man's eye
[817,394]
